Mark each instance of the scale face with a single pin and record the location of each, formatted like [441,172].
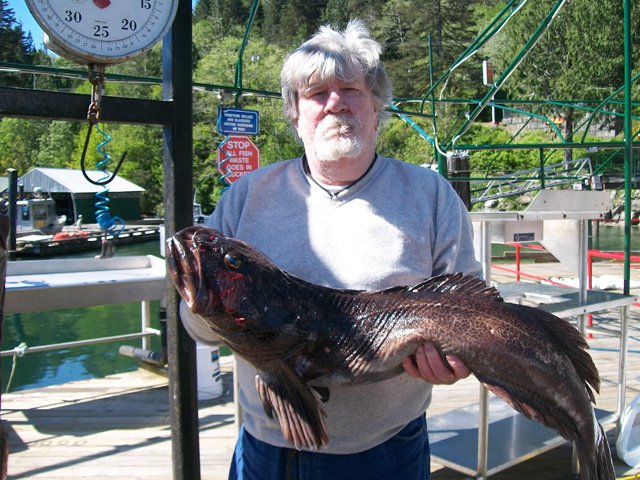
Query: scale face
[102,31]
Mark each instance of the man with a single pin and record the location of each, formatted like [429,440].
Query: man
[345,217]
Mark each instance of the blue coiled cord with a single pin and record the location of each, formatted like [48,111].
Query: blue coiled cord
[109,224]
[222,165]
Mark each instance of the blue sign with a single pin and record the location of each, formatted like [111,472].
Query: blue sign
[238,121]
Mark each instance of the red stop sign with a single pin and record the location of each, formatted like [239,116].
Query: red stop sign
[237,156]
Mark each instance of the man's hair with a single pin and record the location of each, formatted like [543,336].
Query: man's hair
[328,55]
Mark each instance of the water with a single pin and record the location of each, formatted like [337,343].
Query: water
[611,238]
[48,368]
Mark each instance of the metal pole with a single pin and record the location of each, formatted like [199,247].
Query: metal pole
[582,272]
[12,174]
[145,321]
[541,157]
[178,202]
[628,158]
[622,366]
[22,350]
[628,151]
[437,156]
[483,420]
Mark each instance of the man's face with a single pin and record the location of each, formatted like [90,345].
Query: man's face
[336,119]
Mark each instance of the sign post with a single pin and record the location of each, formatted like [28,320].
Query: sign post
[236,156]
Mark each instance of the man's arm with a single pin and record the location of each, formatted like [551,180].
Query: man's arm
[196,327]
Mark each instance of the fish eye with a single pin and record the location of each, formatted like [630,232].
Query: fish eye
[232,262]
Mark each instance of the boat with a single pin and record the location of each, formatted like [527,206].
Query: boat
[199,218]
[38,214]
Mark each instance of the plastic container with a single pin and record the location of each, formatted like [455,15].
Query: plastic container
[628,442]
[208,367]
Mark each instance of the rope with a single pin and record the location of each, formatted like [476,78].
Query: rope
[19,351]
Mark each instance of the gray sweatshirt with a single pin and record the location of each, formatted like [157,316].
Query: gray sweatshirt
[397,225]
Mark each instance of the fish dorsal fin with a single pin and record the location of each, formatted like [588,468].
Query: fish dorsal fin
[457,283]
[570,341]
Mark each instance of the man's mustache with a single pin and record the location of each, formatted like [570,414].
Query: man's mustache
[342,124]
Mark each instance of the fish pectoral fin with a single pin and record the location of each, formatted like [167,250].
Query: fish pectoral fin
[297,407]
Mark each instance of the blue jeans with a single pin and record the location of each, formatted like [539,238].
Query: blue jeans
[403,457]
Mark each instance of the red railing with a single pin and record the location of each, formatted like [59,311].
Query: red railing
[518,272]
[591,254]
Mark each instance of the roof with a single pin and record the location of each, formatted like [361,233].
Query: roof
[63,180]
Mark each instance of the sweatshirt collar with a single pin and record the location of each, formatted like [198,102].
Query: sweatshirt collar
[329,189]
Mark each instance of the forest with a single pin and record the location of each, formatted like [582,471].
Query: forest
[432,54]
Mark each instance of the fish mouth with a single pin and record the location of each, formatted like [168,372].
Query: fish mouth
[184,263]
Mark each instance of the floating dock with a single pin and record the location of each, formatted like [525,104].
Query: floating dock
[72,241]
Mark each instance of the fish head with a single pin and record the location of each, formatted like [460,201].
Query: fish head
[218,277]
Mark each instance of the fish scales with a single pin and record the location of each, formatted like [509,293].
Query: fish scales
[305,338]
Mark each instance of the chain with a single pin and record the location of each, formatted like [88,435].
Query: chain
[97,79]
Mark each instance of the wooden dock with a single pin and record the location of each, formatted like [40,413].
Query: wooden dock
[74,241]
[118,427]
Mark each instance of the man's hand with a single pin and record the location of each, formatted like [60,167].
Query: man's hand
[427,364]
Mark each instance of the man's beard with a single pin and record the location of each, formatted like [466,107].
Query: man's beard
[336,137]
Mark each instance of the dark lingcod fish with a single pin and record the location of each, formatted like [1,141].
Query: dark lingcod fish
[301,336]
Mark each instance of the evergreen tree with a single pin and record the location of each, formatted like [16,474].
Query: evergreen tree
[580,57]
[228,13]
[405,26]
[287,23]
[203,10]
[15,46]
[339,12]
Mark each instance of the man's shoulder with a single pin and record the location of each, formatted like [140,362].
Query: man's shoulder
[422,172]
[268,171]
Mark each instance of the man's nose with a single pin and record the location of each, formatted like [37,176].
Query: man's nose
[335,102]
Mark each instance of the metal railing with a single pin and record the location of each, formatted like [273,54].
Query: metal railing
[530,180]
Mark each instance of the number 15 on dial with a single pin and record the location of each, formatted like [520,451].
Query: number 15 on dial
[102,31]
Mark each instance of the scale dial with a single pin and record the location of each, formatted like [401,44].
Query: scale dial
[102,31]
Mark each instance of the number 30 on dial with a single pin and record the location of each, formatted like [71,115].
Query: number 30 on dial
[102,31]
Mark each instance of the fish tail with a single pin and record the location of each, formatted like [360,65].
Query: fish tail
[598,466]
